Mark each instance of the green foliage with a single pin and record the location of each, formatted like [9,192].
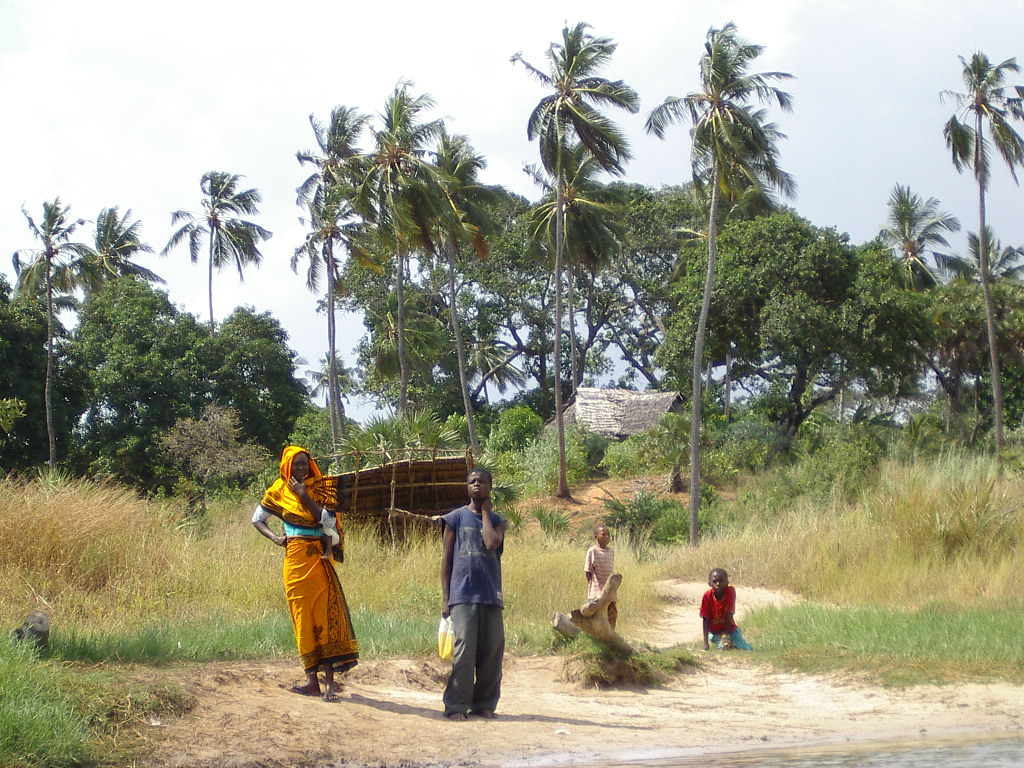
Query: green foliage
[592,663]
[628,458]
[253,372]
[836,457]
[749,444]
[803,313]
[650,517]
[384,437]
[552,521]
[11,409]
[539,470]
[210,448]
[312,431]
[514,429]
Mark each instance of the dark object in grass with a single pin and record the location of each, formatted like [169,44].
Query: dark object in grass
[35,630]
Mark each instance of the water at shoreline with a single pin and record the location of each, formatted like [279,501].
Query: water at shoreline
[998,751]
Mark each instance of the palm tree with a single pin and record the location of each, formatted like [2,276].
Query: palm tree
[327,195]
[593,228]
[986,101]
[332,221]
[231,240]
[338,153]
[1004,262]
[571,114]
[56,267]
[914,226]
[116,243]
[399,194]
[466,199]
[732,147]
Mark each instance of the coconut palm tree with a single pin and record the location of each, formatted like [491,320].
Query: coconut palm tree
[327,195]
[593,226]
[467,225]
[332,223]
[116,243]
[1004,262]
[230,239]
[914,226]
[988,101]
[399,194]
[571,114]
[732,147]
[52,272]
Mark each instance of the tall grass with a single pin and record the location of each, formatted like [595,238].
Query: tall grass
[122,580]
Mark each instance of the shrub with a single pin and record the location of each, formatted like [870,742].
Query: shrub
[514,430]
[628,458]
[552,522]
[540,462]
[649,516]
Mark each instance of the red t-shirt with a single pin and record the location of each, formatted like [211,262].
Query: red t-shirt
[716,610]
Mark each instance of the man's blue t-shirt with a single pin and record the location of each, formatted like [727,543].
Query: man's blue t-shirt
[476,570]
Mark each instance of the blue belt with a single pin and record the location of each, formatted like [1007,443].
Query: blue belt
[301,530]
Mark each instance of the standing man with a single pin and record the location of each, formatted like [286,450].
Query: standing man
[471,594]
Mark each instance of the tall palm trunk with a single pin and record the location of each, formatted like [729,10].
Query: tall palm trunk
[209,279]
[986,289]
[460,348]
[563,480]
[336,408]
[728,383]
[403,369]
[574,348]
[698,357]
[51,434]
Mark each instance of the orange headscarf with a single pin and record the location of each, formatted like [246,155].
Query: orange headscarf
[280,499]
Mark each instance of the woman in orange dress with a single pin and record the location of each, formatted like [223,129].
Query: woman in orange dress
[305,501]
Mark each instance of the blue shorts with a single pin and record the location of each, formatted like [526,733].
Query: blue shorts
[737,640]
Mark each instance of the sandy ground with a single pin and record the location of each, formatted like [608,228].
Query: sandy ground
[390,711]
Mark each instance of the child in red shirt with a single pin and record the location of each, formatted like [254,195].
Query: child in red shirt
[717,609]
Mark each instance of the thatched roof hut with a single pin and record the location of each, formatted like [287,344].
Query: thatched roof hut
[619,413]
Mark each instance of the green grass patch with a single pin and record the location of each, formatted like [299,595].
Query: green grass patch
[38,725]
[934,644]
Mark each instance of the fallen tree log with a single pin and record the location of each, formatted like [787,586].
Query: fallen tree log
[592,618]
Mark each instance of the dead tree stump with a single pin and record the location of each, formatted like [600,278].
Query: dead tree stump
[592,618]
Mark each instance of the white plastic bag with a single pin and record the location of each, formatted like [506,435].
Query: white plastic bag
[445,639]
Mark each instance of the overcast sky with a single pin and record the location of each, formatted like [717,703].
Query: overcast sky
[111,102]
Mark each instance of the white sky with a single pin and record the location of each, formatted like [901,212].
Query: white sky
[111,102]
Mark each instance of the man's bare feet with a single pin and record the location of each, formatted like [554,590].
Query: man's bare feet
[455,715]
[488,713]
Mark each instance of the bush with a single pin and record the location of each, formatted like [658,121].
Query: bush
[540,462]
[649,516]
[628,458]
[514,430]
[552,522]
[836,458]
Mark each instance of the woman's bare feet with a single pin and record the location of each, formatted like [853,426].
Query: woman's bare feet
[331,691]
[309,689]
[456,715]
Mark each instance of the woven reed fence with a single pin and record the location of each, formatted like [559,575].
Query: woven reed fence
[409,484]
